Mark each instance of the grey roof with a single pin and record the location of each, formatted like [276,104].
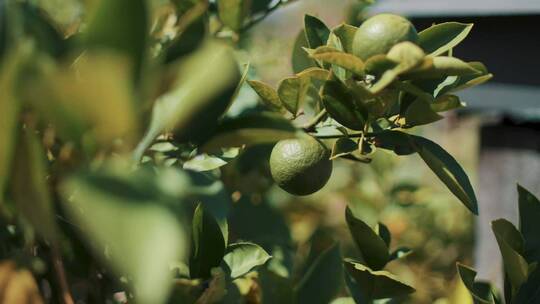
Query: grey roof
[457,7]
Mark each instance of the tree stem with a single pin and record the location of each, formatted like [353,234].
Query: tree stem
[61,276]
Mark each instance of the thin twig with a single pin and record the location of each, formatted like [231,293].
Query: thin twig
[350,135]
[61,275]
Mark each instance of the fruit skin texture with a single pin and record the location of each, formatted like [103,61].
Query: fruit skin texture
[378,34]
[300,166]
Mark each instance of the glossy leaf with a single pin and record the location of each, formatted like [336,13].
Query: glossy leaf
[342,106]
[30,186]
[468,275]
[445,103]
[322,281]
[529,223]
[250,129]
[373,249]
[448,170]
[396,141]
[440,38]
[241,258]
[443,66]
[120,26]
[345,33]
[300,59]
[233,12]
[511,245]
[376,284]
[124,218]
[208,244]
[343,146]
[419,113]
[344,60]
[317,32]
[268,95]
[292,93]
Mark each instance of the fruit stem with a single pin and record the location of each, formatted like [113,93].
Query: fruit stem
[310,126]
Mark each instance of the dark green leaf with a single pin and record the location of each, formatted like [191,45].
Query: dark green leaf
[300,59]
[384,233]
[511,245]
[343,146]
[376,284]
[233,12]
[419,113]
[446,103]
[120,26]
[208,244]
[529,292]
[323,280]
[316,32]
[448,170]
[400,253]
[529,224]
[275,289]
[343,106]
[479,294]
[373,249]
[241,258]
[267,94]
[440,38]
[250,129]
[292,93]
[396,141]
[191,35]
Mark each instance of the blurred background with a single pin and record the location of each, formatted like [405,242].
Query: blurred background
[496,139]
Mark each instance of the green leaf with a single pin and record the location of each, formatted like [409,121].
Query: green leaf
[250,129]
[441,38]
[376,284]
[445,103]
[529,223]
[448,170]
[268,95]
[419,113]
[396,141]
[292,93]
[372,247]
[384,233]
[467,81]
[315,73]
[275,288]
[343,106]
[479,295]
[442,66]
[511,245]
[323,280]
[344,60]
[120,26]
[343,301]
[300,59]
[241,258]
[124,218]
[343,146]
[317,32]
[30,186]
[233,12]
[345,33]
[208,244]
[199,98]
[204,162]
[529,292]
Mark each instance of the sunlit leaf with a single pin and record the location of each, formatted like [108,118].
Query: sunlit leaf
[440,38]
[268,95]
[322,281]
[467,276]
[208,244]
[292,92]
[345,33]
[344,60]
[400,253]
[241,258]
[233,12]
[443,66]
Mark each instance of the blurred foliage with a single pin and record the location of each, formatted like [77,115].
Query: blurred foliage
[134,157]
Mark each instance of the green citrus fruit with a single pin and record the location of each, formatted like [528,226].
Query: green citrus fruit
[300,166]
[378,34]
